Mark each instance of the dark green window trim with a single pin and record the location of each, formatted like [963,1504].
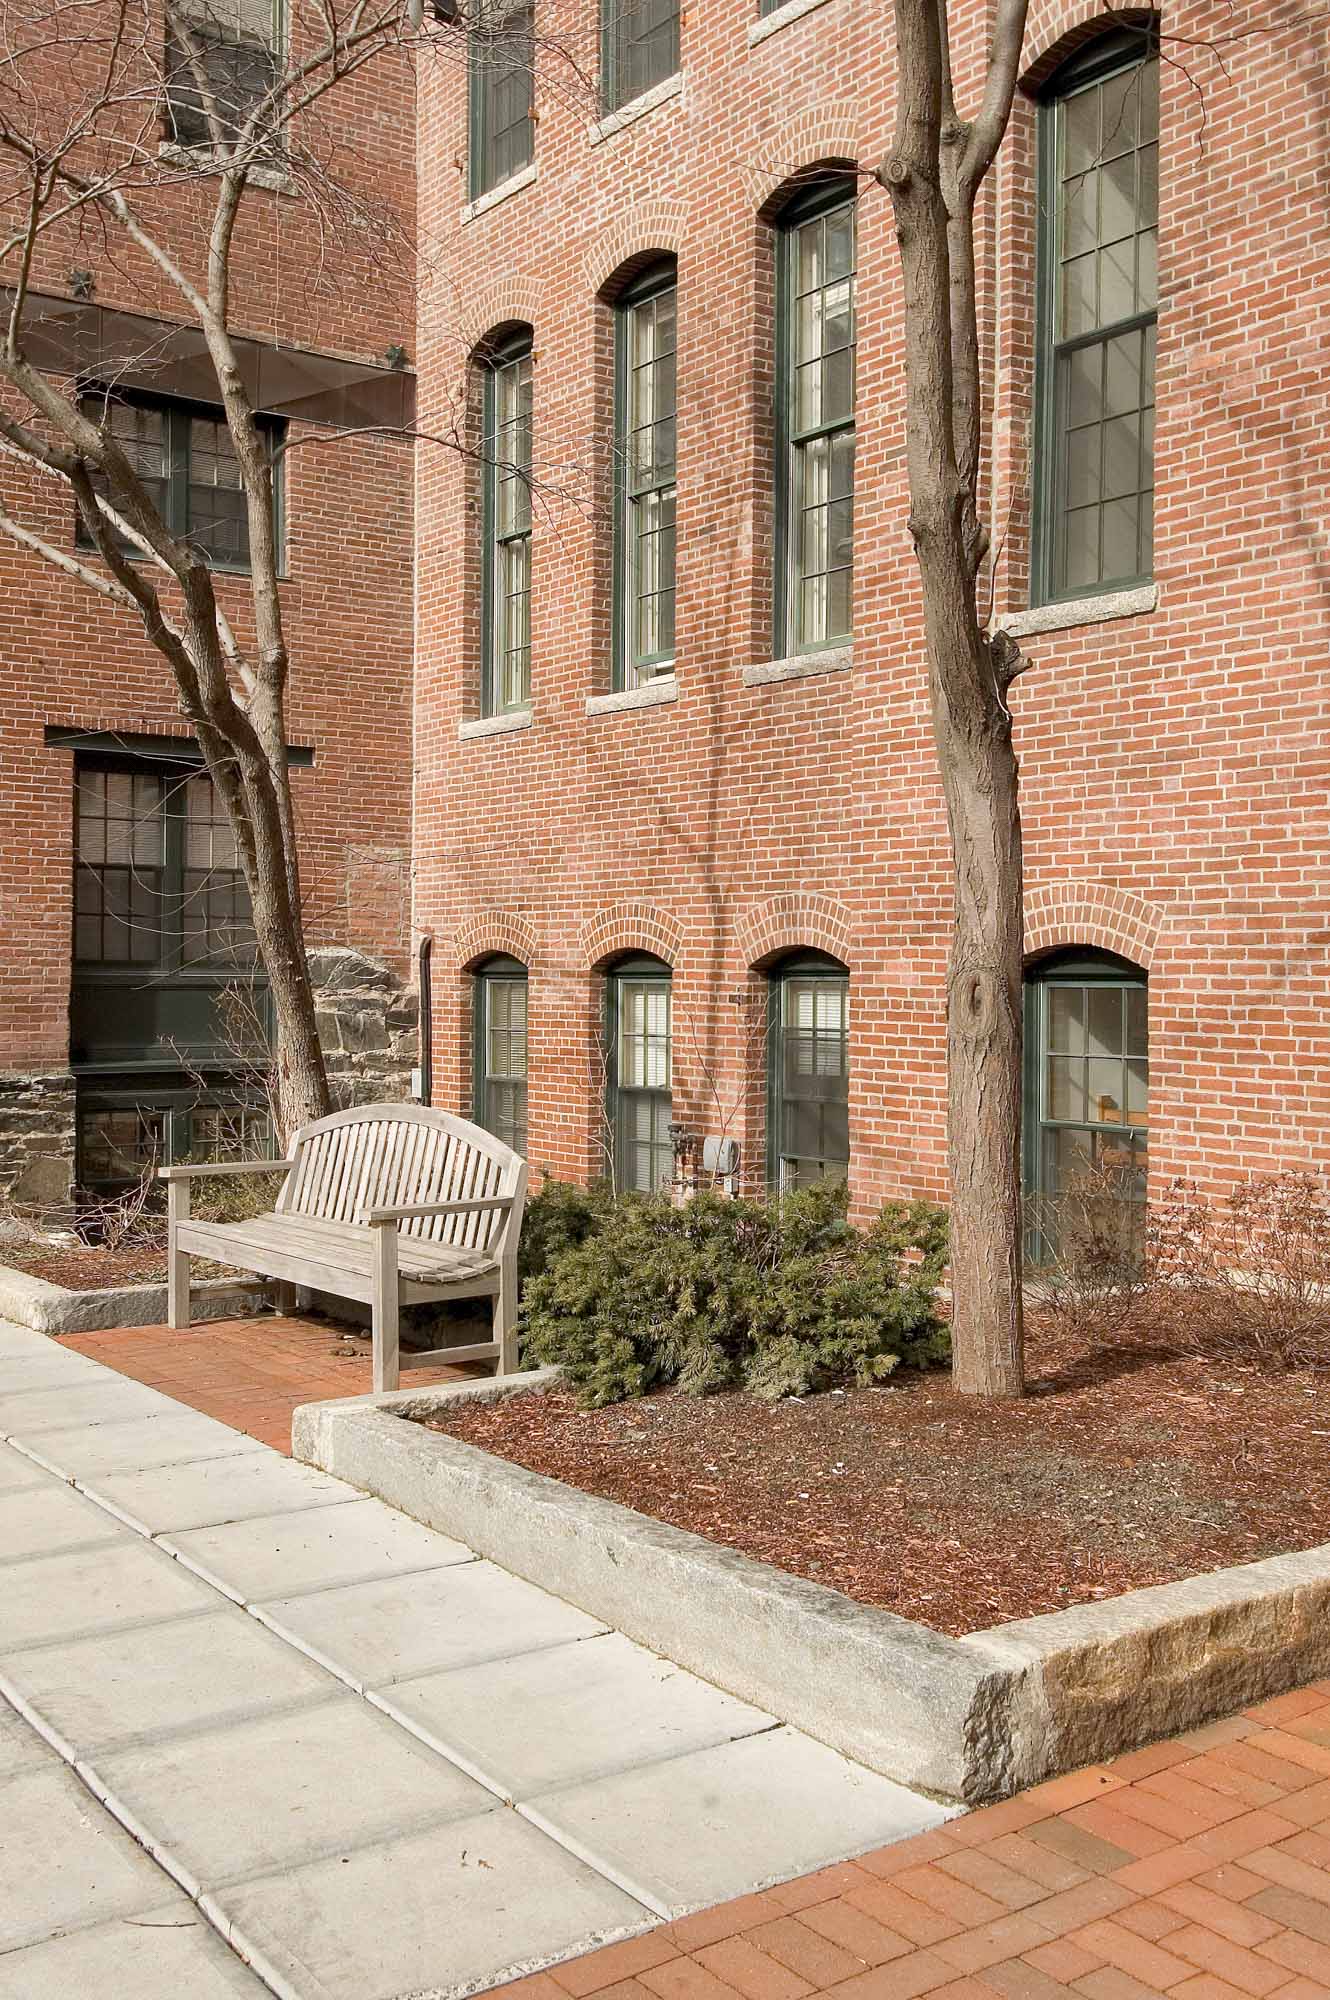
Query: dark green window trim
[169,749]
[165,1120]
[638,1052]
[171,485]
[499,1049]
[505,587]
[639,48]
[1093,483]
[1099,1047]
[814,427]
[501,71]
[644,478]
[825,1058]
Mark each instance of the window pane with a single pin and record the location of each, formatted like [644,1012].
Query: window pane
[1099,490]
[120,1146]
[1066,1089]
[1106,1004]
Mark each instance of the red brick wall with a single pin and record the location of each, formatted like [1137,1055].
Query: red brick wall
[1175,763]
[67,658]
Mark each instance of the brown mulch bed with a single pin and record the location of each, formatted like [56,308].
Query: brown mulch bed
[1128,1464]
[87,1268]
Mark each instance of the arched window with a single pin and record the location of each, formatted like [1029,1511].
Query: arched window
[506,530]
[498,1046]
[1087,1080]
[815,336]
[638,1103]
[1098,300]
[808,1088]
[644,461]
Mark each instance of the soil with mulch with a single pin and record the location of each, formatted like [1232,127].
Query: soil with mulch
[87,1267]
[1127,1464]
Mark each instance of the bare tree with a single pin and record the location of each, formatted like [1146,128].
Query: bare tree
[108,114]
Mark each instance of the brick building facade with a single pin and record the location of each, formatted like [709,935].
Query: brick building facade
[663,869]
[112,1050]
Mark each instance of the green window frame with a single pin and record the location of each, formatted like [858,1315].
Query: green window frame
[185,459]
[1087,1081]
[808,1072]
[1097,313]
[124,1133]
[506,530]
[639,1071]
[645,454]
[815,429]
[240,46]
[639,48]
[499,1049]
[501,63]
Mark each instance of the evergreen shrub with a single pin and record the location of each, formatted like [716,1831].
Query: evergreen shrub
[780,1297]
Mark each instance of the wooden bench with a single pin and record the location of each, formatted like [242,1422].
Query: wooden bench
[391,1204]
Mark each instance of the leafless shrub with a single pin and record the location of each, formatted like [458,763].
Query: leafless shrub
[1088,1244]
[1248,1274]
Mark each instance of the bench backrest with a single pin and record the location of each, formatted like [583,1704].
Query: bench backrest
[392,1155]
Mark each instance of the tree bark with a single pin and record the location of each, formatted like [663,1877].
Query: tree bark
[932,175]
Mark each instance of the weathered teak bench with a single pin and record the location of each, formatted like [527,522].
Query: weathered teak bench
[392,1204]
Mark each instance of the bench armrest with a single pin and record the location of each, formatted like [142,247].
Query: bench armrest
[194,1173]
[379,1216]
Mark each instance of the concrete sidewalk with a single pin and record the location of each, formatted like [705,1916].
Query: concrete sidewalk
[374,1764]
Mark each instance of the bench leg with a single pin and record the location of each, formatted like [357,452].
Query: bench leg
[384,1309]
[284,1296]
[177,1261]
[505,1317]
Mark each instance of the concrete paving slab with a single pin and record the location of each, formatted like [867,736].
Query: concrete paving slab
[401,1627]
[430,1915]
[314,1550]
[115,1688]
[137,1445]
[22,1340]
[109,1399]
[47,1367]
[278,1791]
[21,1748]
[17,1471]
[718,1823]
[71,1864]
[41,1520]
[158,1954]
[125,1582]
[569,1713]
[205,1492]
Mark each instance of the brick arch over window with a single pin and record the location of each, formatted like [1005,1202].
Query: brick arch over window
[630,927]
[797,922]
[1092,913]
[822,135]
[491,932]
[510,302]
[642,231]
[1069,25]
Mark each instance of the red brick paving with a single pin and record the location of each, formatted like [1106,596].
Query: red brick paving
[1197,1869]
[249,1373]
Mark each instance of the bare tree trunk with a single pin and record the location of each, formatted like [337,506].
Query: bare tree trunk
[933,174]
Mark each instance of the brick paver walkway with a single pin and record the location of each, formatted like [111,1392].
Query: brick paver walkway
[249,1373]
[1197,1869]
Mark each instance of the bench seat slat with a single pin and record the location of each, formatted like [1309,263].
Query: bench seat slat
[341,1246]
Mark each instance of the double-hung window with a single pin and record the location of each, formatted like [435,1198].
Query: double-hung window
[222,59]
[186,462]
[815,423]
[644,488]
[506,579]
[808,1108]
[500,1050]
[1098,299]
[639,47]
[638,1099]
[502,50]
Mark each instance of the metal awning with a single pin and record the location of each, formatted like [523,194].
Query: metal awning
[81,340]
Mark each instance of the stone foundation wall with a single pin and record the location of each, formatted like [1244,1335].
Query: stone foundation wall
[36,1140]
[369,1025]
